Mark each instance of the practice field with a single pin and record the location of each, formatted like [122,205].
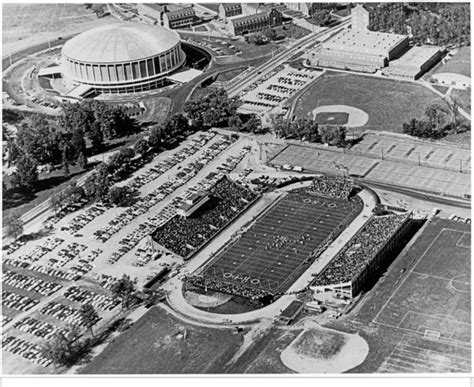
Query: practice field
[158,343]
[274,252]
[331,118]
[431,306]
[388,103]
[458,64]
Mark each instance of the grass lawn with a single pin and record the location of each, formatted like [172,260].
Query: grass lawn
[464,98]
[263,357]
[458,64]
[228,75]
[441,89]
[158,343]
[157,109]
[388,103]
[332,118]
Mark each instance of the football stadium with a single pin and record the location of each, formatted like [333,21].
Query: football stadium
[283,242]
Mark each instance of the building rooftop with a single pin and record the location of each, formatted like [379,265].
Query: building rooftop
[364,41]
[122,42]
[416,56]
[249,18]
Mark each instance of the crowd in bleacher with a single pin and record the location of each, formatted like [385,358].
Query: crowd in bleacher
[360,251]
[332,187]
[227,287]
[184,235]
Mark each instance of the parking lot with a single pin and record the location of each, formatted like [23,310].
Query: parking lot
[39,298]
[275,88]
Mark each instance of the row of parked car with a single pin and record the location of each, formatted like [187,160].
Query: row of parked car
[63,312]
[38,328]
[25,349]
[66,255]
[39,251]
[17,301]
[84,296]
[32,284]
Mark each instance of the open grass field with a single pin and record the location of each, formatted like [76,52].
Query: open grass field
[212,6]
[464,98]
[388,103]
[24,24]
[332,118]
[458,64]
[417,318]
[274,252]
[158,343]
[434,298]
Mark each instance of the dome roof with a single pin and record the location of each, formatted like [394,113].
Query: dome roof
[123,42]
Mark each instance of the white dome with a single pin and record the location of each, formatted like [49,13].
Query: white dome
[123,42]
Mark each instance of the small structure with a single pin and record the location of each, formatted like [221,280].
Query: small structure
[192,204]
[291,312]
[229,10]
[179,18]
[256,22]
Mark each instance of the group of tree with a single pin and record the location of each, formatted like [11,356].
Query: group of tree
[42,142]
[14,226]
[72,194]
[322,17]
[97,121]
[125,289]
[66,347]
[213,110]
[167,134]
[437,122]
[248,123]
[308,130]
[429,23]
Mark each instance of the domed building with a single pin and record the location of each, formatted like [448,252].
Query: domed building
[122,58]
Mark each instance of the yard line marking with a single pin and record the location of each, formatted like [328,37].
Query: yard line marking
[441,278]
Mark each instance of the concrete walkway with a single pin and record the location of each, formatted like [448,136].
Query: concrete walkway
[179,304]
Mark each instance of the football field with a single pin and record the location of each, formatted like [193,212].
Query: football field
[275,250]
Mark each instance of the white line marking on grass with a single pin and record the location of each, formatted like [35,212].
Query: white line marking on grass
[414,264]
[442,278]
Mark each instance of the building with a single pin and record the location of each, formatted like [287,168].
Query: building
[368,16]
[308,9]
[362,257]
[414,63]
[229,10]
[291,312]
[192,204]
[179,18]
[359,50]
[256,22]
[121,58]
[150,12]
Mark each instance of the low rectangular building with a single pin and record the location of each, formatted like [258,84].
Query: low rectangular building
[179,18]
[414,63]
[359,50]
[291,312]
[256,22]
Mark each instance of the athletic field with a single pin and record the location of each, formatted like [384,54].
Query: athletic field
[431,305]
[273,253]
[388,103]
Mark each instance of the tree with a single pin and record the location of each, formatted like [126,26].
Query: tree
[14,226]
[436,115]
[89,317]
[141,146]
[56,203]
[322,17]
[82,160]
[97,184]
[26,174]
[120,196]
[125,290]
[157,137]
